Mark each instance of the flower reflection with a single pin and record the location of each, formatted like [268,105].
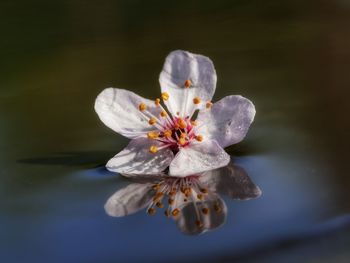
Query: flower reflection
[193,201]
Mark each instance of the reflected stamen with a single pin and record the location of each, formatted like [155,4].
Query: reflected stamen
[179,191]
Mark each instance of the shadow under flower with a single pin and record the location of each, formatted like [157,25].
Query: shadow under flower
[194,201]
[80,158]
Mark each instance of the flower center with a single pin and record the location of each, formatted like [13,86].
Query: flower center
[173,131]
[177,192]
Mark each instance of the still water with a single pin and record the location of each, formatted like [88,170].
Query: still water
[290,58]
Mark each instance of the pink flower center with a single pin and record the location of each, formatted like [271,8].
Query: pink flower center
[176,133]
[172,131]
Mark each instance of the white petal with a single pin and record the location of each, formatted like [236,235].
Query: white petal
[118,109]
[129,200]
[186,221]
[180,66]
[136,158]
[227,121]
[197,158]
[231,180]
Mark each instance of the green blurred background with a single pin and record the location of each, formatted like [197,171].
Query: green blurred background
[291,58]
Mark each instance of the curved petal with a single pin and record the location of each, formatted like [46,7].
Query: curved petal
[228,120]
[118,109]
[129,200]
[231,180]
[136,158]
[197,158]
[191,222]
[180,66]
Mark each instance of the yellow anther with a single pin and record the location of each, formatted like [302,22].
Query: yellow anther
[183,135]
[156,187]
[153,149]
[199,138]
[159,204]
[157,196]
[172,193]
[217,208]
[209,105]
[196,100]
[151,211]
[182,123]
[168,133]
[163,114]
[199,223]
[205,210]
[175,212]
[152,135]
[187,83]
[194,123]
[200,197]
[165,95]
[157,102]
[187,192]
[170,201]
[176,126]
[142,107]
[204,190]
[152,121]
[182,141]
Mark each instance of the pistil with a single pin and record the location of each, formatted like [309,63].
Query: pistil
[174,132]
[187,86]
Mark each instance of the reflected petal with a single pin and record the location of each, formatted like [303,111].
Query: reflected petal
[129,200]
[193,221]
[231,180]
[193,202]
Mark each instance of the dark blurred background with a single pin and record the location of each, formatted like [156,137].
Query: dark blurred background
[291,58]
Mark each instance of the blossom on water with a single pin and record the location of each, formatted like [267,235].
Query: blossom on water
[193,201]
[182,129]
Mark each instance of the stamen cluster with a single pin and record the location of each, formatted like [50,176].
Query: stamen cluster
[176,192]
[172,131]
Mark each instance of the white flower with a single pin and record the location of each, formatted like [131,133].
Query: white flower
[192,201]
[165,132]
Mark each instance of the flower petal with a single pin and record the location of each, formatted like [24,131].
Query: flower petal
[231,180]
[191,222]
[228,120]
[136,158]
[129,200]
[118,109]
[197,158]
[180,66]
